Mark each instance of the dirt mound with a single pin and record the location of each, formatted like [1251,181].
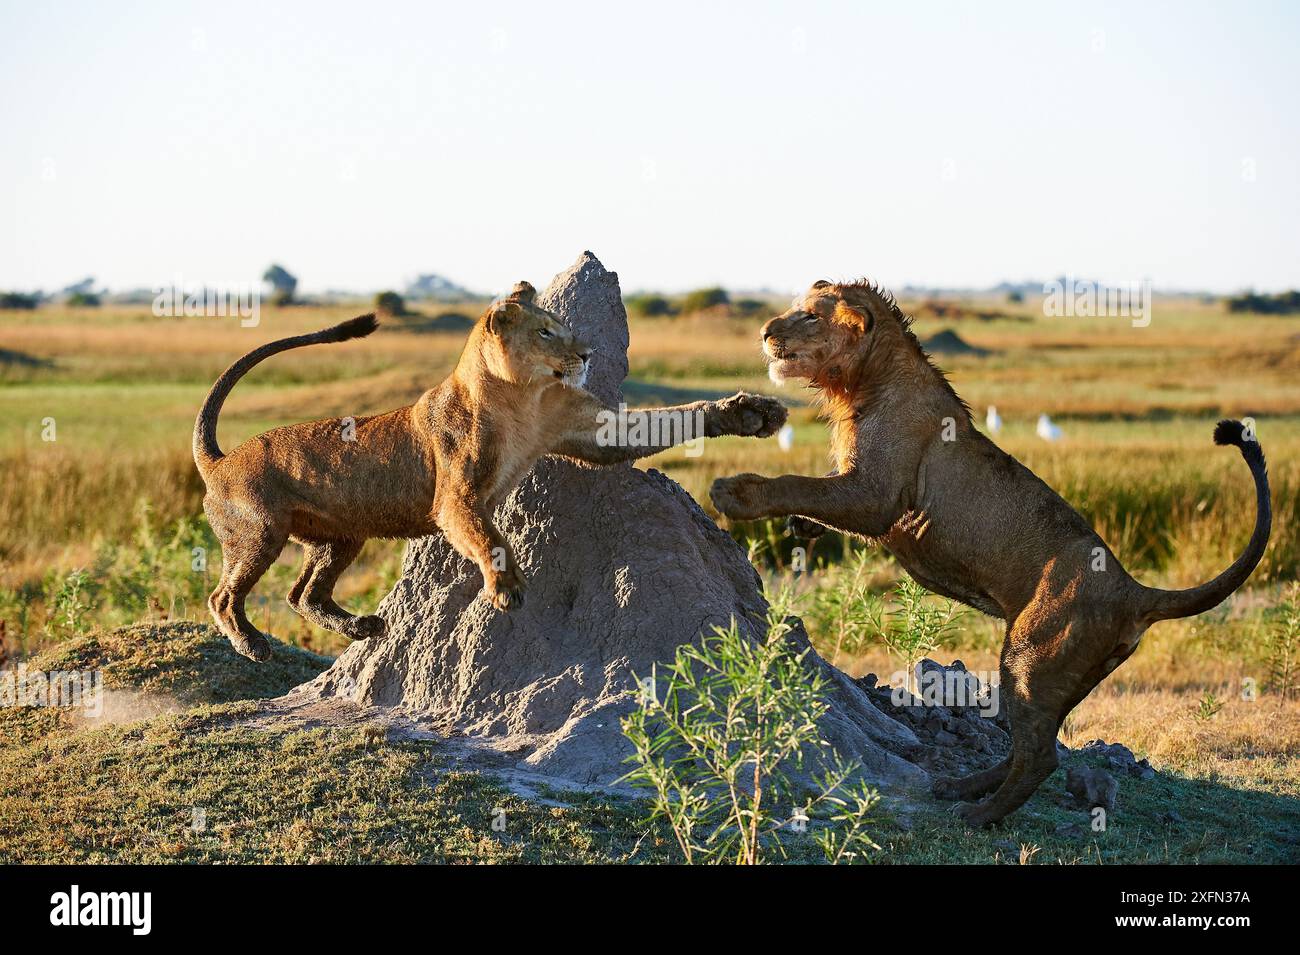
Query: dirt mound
[454,322]
[18,359]
[948,342]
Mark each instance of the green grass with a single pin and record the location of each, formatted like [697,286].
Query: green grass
[1171,819]
[128,792]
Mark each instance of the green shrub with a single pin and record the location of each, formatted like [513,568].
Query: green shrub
[1282,646]
[704,298]
[390,303]
[718,749]
[17,300]
[1283,303]
[649,306]
[846,615]
[915,627]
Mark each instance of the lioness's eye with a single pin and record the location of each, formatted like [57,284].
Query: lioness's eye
[545,333]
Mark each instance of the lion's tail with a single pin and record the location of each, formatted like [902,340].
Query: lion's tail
[206,450]
[1168,604]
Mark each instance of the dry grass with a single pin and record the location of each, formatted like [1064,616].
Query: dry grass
[1137,406]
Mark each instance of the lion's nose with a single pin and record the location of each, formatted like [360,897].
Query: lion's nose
[767,333]
[585,355]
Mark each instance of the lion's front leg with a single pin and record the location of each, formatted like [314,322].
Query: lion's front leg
[746,497]
[797,525]
[844,502]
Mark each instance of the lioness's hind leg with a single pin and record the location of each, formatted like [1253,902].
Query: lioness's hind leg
[313,593]
[244,560]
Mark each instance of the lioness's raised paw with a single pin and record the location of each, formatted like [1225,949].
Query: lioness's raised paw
[737,497]
[753,416]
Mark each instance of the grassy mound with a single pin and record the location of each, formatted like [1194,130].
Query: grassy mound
[197,787]
[191,662]
[193,788]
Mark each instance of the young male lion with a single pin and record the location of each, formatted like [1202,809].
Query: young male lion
[443,463]
[967,521]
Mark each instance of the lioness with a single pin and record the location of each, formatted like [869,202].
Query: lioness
[443,463]
[966,520]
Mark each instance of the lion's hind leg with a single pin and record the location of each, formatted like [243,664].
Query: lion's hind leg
[1045,675]
[973,786]
[1033,759]
[312,595]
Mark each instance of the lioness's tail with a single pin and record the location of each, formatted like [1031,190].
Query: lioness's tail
[1168,604]
[206,450]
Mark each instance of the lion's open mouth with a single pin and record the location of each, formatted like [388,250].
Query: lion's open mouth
[779,369]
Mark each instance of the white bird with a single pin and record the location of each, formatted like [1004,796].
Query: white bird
[785,437]
[1048,431]
[993,420]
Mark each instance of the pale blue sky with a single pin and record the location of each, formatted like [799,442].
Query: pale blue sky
[686,144]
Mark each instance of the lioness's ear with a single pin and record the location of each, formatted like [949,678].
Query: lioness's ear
[501,314]
[523,292]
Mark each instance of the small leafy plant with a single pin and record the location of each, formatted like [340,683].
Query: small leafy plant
[1207,708]
[915,627]
[1283,646]
[847,615]
[721,747]
[73,597]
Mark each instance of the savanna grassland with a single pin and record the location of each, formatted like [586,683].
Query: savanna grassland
[102,527]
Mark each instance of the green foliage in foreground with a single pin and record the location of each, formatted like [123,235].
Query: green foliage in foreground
[723,750]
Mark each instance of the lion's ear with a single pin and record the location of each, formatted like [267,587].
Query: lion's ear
[501,315]
[523,292]
[860,318]
[819,284]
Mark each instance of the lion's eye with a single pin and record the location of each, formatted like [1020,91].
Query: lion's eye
[545,333]
[810,319]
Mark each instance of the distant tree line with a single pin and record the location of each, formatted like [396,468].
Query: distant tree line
[1283,303]
[713,299]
